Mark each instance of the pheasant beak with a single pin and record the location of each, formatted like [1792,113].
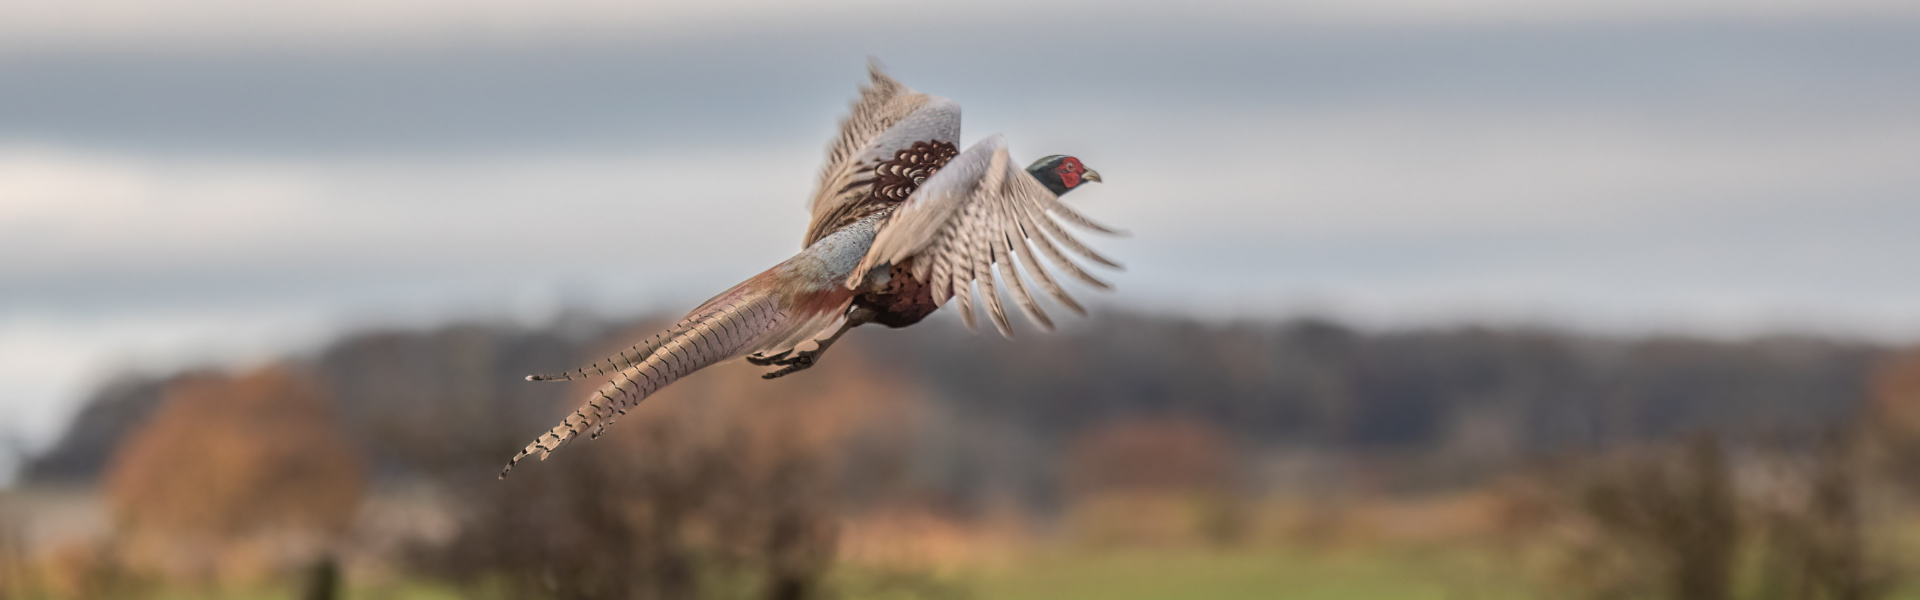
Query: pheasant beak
[1091,175]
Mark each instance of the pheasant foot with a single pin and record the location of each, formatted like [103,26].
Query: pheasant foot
[767,360]
[801,360]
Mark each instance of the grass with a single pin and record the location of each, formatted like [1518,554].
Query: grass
[1065,573]
[1226,575]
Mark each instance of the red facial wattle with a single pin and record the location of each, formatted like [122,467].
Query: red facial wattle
[1069,172]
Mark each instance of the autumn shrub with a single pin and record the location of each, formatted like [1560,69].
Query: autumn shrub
[722,486]
[17,579]
[1690,522]
[234,476]
[1154,481]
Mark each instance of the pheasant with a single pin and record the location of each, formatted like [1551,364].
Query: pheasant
[902,222]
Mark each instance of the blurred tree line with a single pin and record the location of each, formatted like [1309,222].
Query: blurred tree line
[1131,429]
[1455,402]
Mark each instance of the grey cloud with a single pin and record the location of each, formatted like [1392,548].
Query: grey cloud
[723,90]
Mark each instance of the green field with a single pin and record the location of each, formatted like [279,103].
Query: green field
[1216,575]
[1461,573]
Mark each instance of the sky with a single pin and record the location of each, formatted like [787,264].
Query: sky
[221,182]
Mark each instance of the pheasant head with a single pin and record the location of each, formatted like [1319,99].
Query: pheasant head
[1062,173]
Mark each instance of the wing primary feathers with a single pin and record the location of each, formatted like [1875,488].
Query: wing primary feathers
[983,221]
[961,282]
[1011,273]
[1032,263]
[1004,229]
[983,258]
[1067,239]
[963,300]
[995,310]
[972,268]
[941,273]
[964,266]
[1059,259]
[1053,204]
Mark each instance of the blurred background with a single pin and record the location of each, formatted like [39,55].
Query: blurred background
[1458,299]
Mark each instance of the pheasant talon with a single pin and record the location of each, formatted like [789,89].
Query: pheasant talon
[799,362]
[763,361]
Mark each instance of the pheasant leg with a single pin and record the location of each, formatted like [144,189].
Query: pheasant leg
[805,359]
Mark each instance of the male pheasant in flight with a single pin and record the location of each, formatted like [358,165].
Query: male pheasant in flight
[902,222]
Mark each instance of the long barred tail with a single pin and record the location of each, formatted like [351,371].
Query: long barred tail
[614,364]
[725,327]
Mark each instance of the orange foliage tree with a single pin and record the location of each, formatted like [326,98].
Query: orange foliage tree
[722,485]
[229,459]
[1893,417]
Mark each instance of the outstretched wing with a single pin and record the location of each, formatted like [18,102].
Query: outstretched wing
[978,214]
[892,138]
